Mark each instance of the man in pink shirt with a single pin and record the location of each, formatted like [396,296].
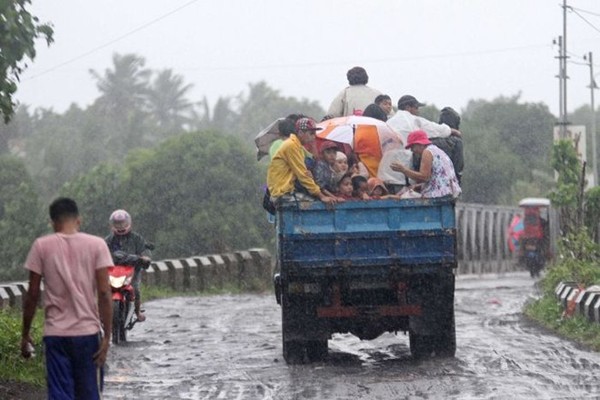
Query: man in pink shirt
[77,304]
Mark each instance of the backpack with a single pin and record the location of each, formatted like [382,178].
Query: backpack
[267,203]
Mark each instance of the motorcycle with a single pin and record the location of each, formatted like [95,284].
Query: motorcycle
[534,241]
[123,295]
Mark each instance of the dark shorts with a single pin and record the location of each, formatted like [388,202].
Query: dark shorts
[70,367]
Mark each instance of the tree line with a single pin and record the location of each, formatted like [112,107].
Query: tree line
[187,170]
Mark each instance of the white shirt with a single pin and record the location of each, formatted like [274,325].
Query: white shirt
[353,100]
[404,123]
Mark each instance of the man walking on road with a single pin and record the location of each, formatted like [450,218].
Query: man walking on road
[77,304]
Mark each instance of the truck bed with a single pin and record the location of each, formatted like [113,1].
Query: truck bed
[354,235]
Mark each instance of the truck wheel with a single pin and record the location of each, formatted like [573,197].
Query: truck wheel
[293,351]
[316,350]
[420,345]
[445,342]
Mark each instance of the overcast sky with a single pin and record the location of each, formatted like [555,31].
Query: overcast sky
[444,52]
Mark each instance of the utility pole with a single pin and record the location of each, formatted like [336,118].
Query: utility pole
[562,75]
[592,87]
[564,61]
[561,116]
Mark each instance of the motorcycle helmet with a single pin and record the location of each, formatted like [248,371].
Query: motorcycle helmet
[120,222]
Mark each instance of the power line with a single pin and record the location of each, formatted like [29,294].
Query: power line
[584,11]
[586,21]
[113,41]
[373,61]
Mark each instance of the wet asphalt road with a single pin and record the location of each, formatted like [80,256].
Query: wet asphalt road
[229,347]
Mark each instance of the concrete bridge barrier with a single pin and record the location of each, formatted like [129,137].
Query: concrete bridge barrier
[582,301]
[247,270]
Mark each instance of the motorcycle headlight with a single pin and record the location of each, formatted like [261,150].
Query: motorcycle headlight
[117,281]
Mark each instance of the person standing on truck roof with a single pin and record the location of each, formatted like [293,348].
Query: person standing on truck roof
[436,171]
[288,166]
[385,103]
[355,98]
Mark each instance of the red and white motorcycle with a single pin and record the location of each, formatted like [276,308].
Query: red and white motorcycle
[123,298]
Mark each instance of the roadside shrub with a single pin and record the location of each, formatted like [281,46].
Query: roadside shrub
[577,261]
[12,365]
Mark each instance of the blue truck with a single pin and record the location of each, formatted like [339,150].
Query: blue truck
[366,267]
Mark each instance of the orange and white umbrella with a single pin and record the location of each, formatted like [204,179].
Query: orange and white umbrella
[369,137]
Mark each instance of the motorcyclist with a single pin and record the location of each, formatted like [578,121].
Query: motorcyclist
[129,248]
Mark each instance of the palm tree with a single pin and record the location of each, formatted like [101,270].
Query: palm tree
[168,104]
[122,103]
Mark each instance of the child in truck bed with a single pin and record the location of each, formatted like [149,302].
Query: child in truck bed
[345,189]
[377,190]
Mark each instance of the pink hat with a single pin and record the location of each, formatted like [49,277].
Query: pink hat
[417,137]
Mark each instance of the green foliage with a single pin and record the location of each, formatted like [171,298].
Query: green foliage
[566,195]
[578,257]
[12,365]
[592,211]
[18,31]
[256,109]
[489,174]
[548,312]
[506,143]
[98,194]
[525,128]
[577,262]
[21,217]
[196,194]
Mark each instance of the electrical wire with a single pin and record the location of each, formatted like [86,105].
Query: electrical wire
[373,61]
[584,11]
[585,20]
[113,41]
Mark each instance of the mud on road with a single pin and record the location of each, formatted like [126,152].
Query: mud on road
[229,347]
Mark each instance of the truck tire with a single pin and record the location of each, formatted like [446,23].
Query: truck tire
[420,345]
[316,350]
[293,351]
[445,342]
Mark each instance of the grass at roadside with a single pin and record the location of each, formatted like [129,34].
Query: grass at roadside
[547,312]
[12,365]
[577,261]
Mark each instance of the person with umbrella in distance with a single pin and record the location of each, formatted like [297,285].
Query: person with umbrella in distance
[355,98]
[288,166]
